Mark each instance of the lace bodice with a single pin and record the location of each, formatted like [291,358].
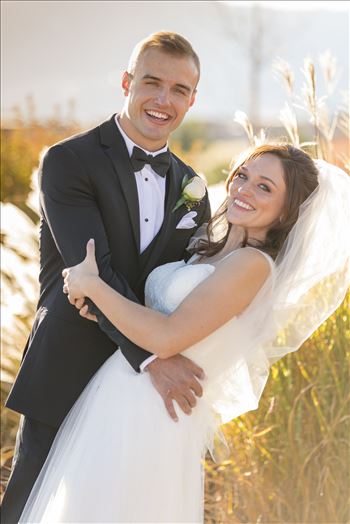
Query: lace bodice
[168,285]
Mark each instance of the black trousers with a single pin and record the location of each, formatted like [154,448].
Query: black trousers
[33,444]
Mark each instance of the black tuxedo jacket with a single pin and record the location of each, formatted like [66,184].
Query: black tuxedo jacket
[88,190]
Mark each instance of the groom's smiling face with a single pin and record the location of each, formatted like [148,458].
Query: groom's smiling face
[158,94]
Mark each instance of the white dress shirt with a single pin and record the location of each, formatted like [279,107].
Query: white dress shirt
[151,195]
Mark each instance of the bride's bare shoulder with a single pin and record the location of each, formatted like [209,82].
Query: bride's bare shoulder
[250,261]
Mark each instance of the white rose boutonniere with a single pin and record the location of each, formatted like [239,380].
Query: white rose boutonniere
[193,190]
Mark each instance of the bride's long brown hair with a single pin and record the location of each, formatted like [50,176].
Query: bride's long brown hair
[301,179]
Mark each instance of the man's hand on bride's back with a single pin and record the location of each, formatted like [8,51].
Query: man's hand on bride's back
[177,378]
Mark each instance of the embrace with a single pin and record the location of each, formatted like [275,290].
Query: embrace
[157,321]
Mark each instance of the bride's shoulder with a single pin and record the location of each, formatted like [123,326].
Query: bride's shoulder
[250,260]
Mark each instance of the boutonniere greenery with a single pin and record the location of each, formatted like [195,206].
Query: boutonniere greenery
[193,191]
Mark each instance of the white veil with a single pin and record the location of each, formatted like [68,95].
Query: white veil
[308,281]
[312,269]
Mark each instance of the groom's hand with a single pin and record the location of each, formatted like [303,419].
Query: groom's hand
[176,378]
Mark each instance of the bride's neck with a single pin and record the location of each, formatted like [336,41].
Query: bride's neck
[234,239]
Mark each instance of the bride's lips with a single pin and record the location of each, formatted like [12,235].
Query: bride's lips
[242,205]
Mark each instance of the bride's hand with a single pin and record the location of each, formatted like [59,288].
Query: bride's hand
[78,278]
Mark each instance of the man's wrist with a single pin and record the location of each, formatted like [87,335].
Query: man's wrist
[144,366]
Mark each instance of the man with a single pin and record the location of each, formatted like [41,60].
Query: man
[98,185]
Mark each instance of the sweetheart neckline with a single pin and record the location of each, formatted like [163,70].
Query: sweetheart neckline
[210,265]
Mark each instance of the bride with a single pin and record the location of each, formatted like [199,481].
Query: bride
[273,266]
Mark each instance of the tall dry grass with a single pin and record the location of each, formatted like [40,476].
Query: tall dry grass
[20,291]
[289,460]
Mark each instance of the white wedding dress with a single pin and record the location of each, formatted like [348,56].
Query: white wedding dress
[119,457]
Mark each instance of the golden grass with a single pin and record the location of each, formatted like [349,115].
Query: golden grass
[290,459]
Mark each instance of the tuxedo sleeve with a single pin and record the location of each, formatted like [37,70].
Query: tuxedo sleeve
[69,206]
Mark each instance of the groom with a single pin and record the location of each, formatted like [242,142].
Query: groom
[106,184]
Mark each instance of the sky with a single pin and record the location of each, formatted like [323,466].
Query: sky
[61,50]
[301,5]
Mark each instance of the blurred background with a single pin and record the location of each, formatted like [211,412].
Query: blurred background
[270,71]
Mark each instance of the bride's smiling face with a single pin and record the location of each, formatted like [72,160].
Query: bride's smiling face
[257,195]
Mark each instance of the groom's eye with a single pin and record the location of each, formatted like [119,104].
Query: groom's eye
[180,91]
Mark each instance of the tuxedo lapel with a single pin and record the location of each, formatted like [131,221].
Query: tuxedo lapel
[116,149]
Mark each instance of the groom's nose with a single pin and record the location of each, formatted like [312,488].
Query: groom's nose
[163,97]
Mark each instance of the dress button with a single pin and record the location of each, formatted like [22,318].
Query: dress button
[146,219]
[146,179]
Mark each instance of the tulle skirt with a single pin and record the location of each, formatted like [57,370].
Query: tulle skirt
[119,457]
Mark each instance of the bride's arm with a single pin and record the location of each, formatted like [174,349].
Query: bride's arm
[223,295]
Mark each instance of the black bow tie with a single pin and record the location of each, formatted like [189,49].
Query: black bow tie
[159,163]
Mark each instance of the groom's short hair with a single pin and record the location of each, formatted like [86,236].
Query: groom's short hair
[167,42]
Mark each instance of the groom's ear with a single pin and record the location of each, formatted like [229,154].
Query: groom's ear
[193,98]
[126,80]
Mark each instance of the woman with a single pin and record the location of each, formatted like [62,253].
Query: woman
[118,456]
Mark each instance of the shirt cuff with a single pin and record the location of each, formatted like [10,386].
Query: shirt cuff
[145,363]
